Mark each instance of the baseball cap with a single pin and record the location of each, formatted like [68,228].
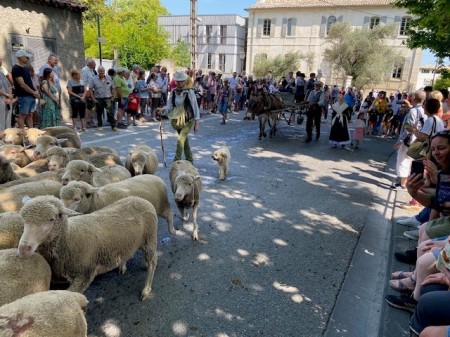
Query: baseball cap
[22,52]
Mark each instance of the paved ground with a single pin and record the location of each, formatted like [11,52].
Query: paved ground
[294,243]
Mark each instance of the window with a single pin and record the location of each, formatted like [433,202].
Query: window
[425,71]
[290,26]
[210,57]
[223,34]
[404,26]
[331,20]
[222,62]
[39,47]
[208,34]
[397,73]
[266,27]
[374,21]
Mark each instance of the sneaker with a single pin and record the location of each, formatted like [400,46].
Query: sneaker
[394,185]
[154,119]
[121,126]
[412,221]
[115,129]
[404,302]
[408,257]
[413,235]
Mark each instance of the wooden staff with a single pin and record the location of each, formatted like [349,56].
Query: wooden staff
[162,144]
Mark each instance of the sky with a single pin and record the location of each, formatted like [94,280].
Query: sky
[205,7]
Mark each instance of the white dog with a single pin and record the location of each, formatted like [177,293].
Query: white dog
[222,156]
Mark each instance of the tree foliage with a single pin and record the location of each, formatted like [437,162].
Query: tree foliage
[130,27]
[430,25]
[444,81]
[361,53]
[181,54]
[280,65]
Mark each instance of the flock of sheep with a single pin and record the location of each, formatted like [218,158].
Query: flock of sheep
[69,213]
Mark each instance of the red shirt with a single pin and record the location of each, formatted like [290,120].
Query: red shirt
[133,102]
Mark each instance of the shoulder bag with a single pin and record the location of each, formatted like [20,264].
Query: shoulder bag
[419,149]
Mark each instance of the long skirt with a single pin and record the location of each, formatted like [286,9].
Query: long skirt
[340,134]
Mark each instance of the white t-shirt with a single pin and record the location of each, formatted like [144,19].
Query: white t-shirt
[428,125]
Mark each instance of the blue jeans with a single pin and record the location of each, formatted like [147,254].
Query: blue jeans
[27,104]
[424,215]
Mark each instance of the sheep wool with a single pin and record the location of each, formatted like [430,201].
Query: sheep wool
[20,277]
[141,159]
[58,313]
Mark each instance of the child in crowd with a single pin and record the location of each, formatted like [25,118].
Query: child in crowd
[387,121]
[373,117]
[134,103]
[358,133]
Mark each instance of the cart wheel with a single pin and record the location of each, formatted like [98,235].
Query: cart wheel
[300,120]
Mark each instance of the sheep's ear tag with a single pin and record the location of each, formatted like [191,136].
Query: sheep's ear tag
[26,199]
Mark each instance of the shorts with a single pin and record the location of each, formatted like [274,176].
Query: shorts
[132,112]
[143,105]
[27,104]
[124,105]
[78,109]
[438,227]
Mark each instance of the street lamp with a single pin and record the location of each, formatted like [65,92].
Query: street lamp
[242,58]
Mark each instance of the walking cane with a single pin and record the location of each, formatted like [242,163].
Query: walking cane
[162,144]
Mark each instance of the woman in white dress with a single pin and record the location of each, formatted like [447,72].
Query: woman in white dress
[339,134]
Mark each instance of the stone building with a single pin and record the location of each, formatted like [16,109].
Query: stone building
[42,27]
[220,39]
[280,26]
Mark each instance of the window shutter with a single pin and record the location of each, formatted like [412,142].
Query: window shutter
[383,20]
[259,28]
[366,22]
[323,26]
[273,22]
[340,18]
[397,21]
[284,27]
[294,26]
[218,35]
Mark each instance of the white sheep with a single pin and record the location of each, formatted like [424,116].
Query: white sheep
[186,185]
[82,197]
[12,136]
[83,171]
[32,134]
[57,313]
[222,157]
[11,229]
[20,277]
[81,247]
[11,197]
[44,143]
[7,173]
[141,159]
[32,169]
[47,175]
[16,152]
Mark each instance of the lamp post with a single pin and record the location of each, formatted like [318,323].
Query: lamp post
[242,58]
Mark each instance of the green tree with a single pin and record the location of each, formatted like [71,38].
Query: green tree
[181,54]
[444,81]
[361,53]
[430,25]
[280,65]
[129,26]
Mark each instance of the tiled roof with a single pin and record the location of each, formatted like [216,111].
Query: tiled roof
[263,4]
[72,5]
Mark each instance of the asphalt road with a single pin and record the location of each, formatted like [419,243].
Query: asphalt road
[276,238]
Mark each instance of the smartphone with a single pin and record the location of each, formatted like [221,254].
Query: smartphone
[443,192]
[417,167]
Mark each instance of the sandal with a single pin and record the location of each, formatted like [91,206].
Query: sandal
[398,275]
[402,286]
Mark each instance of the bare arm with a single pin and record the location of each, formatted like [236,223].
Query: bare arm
[25,87]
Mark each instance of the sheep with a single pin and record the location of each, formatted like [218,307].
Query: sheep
[11,197]
[59,157]
[104,159]
[16,152]
[141,159]
[32,134]
[81,247]
[47,175]
[7,173]
[12,136]
[11,229]
[83,198]
[44,143]
[186,185]
[83,171]
[20,277]
[223,157]
[32,169]
[53,313]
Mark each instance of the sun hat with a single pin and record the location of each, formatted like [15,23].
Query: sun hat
[21,53]
[180,76]
[120,70]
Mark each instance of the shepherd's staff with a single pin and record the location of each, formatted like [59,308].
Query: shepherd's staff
[162,144]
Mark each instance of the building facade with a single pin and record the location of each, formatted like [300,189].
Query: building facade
[428,75]
[281,26]
[42,27]
[221,40]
